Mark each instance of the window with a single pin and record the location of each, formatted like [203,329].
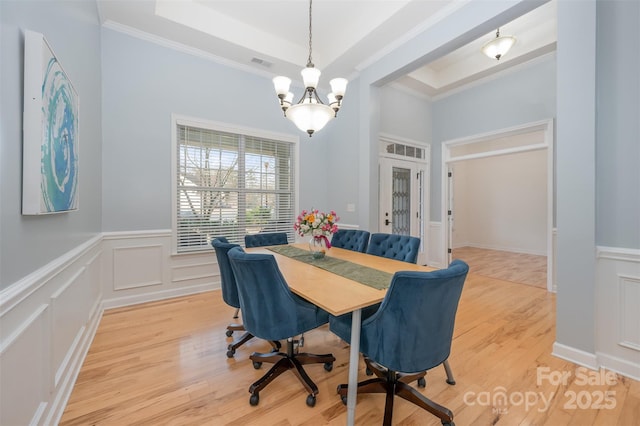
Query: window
[231,182]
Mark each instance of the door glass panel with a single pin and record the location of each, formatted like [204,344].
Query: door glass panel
[401,201]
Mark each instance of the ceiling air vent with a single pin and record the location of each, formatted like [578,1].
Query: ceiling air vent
[262,62]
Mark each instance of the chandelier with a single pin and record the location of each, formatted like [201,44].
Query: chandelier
[310,114]
[499,46]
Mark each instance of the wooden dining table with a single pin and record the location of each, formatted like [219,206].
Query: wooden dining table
[339,295]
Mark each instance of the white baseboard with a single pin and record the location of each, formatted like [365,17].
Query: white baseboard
[576,356]
[117,302]
[621,366]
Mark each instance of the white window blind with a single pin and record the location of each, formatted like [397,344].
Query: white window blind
[231,185]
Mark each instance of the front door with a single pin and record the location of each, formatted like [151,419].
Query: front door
[402,200]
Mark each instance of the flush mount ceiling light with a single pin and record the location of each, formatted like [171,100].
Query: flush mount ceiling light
[310,114]
[499,46]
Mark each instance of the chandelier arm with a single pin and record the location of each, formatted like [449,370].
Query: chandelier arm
[315,93]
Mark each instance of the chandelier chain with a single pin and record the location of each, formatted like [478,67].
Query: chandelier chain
[309,62]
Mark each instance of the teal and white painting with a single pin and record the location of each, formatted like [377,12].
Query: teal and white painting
[50,125]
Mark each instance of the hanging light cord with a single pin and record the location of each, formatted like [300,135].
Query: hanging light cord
[309,63]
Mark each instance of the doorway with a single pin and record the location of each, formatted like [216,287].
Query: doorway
[503,208]
[404,191]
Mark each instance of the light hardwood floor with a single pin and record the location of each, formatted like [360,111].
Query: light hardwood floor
[164,363]
[504,265]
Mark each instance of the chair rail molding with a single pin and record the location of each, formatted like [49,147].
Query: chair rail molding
[617,316]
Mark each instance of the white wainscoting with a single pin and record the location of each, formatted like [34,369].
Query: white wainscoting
[617,313]
[48,321]
[435,240]
[50,317]
[139,267]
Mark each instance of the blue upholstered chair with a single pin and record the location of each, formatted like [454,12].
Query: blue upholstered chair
[265,239]
[230,293]
[271,311]
[409,334]
[392,246]
[351,239]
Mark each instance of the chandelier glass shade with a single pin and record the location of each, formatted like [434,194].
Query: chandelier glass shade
[499,46]
[310,114]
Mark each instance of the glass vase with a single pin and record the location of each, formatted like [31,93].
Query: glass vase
[318,247]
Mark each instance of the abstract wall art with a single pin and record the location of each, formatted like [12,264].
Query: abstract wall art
[50,132]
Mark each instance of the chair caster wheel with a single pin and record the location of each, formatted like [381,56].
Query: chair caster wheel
[422,382]
[448,424]
[254,399]
[229,333]
[328,366]
[257,365]
[230,351]
[344,400]
[451,382]
[311,400]
[368,372]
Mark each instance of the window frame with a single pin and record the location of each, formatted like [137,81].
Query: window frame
[181,120]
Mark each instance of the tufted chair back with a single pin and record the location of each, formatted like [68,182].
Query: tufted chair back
[413,327]
[392,246]
[227,279]
[351,239]
[269,309]
[265,239]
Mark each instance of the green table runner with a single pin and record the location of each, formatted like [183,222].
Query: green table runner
[362,274]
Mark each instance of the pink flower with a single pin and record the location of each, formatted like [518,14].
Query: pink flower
[316,223]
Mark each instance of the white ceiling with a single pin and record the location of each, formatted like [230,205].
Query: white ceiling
[271,37]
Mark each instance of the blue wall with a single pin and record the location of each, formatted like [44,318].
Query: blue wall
[405,115]
[143,84]
[340,173]
[71,28]
[618,124]
[518,97]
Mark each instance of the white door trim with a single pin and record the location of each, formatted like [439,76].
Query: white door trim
[413,163]
[547,126]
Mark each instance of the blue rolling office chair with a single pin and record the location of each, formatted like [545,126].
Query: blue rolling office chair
[409,334]
[230,293]
[265,239]
[404,248]
[351,239]
[392,246]
[271,311]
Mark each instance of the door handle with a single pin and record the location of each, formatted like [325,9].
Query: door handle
[387,222]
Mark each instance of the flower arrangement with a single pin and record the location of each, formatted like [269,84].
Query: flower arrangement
[316,223]
[320,225]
